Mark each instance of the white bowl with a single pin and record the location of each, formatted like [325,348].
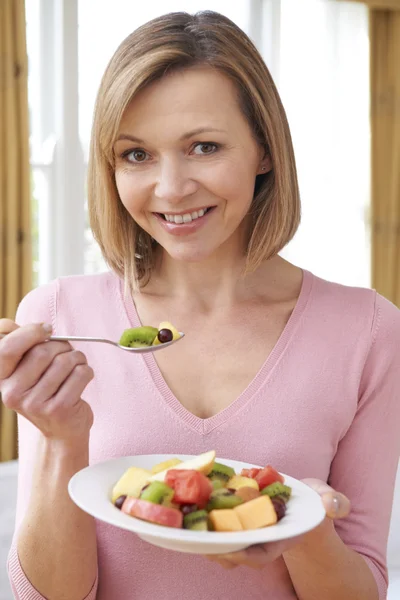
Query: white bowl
[91,489]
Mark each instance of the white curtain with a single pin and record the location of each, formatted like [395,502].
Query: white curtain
[323,78]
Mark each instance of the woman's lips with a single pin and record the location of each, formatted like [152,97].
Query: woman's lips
[184,228]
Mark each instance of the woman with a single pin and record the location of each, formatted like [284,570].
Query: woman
[192,194]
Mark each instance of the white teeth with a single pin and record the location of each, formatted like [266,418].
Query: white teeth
[186,218]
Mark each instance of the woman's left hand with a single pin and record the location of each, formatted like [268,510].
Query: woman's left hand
[336,506]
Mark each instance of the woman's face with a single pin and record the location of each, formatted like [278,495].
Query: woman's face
[186,163]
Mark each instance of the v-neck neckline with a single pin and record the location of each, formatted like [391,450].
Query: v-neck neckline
[204,426]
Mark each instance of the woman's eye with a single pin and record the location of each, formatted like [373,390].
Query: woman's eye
[205,148]
[135,156]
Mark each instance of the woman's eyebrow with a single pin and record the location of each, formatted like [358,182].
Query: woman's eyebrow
[131,138]
[185,136]
[200,130]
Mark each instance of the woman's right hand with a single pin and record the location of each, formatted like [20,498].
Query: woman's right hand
[43,381]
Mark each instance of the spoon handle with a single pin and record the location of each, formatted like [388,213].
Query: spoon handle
[66,338]
[74,338]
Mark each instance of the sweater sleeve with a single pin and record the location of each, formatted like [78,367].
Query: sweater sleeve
[365,465]
[37,307]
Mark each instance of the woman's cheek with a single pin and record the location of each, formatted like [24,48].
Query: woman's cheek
[128,190]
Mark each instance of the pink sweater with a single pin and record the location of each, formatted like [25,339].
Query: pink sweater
[325,404]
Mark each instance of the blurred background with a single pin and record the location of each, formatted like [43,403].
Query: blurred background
[337,67]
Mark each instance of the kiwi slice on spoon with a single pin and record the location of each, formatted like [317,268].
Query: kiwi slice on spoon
[137,337]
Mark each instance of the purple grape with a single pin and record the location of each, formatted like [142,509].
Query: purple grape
[186,509]
[165,335]
[280,507]
[119,501]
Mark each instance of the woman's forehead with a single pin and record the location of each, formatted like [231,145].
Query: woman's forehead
[198,98]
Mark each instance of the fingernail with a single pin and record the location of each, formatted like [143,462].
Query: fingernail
[47,328]
[333,505]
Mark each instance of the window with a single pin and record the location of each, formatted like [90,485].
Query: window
[317,51]
[324,84]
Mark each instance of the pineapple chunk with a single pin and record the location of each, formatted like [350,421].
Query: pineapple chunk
[256,513]
[167,464]
[131,483]
[237,481]
[225,519]
[166,325]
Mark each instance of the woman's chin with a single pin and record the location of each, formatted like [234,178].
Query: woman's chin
[189,255]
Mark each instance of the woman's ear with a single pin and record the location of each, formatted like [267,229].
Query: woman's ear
[265,165]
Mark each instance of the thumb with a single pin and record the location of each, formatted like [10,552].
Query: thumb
[337,505]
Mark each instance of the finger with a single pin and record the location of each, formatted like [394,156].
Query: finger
[224,563]
[7,326]
[337,505]
[54,377]
[321,487]
[71,390]
[15,344]
[254,557]
[33,366]
[29,371]
[65,406]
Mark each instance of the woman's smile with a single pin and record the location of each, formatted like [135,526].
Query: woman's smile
[184,223]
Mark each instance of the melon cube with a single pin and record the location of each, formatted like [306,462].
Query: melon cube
[225,519]
[256,513]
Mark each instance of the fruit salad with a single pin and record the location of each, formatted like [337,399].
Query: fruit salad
[202,494]
[139,337]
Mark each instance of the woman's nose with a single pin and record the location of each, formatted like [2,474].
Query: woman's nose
[174,182]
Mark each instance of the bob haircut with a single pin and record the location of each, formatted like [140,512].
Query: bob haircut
[169,43]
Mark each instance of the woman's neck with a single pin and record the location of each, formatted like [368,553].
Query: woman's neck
[216,283]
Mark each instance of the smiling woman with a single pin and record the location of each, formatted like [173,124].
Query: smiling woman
[193,192]
[230,97]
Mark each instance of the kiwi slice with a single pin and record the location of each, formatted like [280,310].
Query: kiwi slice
[197,521]
[217,484]
[277,489]
[157,493]
[223,498]
[137,337]
[221,472]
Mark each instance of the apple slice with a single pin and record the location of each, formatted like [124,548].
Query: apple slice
[131,483]
[203,463]
[167,464]
[154,513]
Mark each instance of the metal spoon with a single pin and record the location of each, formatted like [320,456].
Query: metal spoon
[141,350]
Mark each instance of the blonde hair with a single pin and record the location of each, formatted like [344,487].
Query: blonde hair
[179,41]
